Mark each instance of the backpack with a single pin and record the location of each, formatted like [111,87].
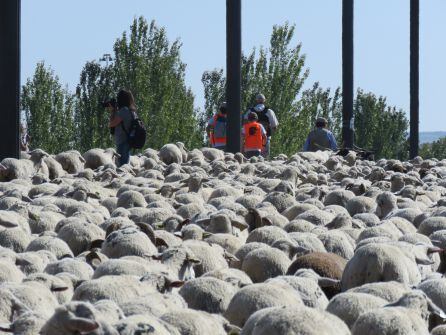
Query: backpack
[220,127]
[137,133]
[263,119]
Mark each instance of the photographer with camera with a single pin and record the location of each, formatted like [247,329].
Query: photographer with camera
[121,118]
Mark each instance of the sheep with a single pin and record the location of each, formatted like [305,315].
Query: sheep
[233,276]
[434,289]
[25,323]
[35,296]
[115,267]
[71,161]
[348,306]
[307,286]
[170,153]
[72,318]
[338,197]
[14,238]
[264,263]
[55,169]
[294,320]
[431,225]
[267,235]
[228,242]
[195,322]
[360,204]
[338,243]
[255,297]
[155,304]
[51,243]
[128,241]
[380,262]
[45,220]
[11,168]
[62,290]
[116,288]
[390,291]
[95,158]
[144,324]
[10,273]
[131,199]
[208,294]
[77,267]
[324,264]
[79,236]
[210,257]
[409,315]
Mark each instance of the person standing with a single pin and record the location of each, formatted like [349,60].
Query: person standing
[121,120]
[320,138]
[254,136]
[216,128]
[267,118]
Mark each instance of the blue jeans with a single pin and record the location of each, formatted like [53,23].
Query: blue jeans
[123,149]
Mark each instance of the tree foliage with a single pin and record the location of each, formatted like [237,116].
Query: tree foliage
[148,65]
[379,127]
[436,149]
[48,110]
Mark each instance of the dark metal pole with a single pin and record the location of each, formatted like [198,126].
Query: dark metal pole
[414,76]
[233,73]
[9,78]
[347,73]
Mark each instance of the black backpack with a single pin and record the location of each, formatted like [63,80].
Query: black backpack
[137,133]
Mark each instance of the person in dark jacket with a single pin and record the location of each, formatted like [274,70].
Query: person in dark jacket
[121,121]
[320,138]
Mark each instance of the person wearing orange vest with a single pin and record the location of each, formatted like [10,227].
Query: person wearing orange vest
[216,128]
[254,136]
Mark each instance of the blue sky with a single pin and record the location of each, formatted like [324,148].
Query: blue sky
[66,34]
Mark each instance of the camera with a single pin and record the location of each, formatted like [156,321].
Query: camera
[108,102]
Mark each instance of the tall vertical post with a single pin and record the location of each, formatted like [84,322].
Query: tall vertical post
[9,78]
[233,73]
[347,73]
[414,76]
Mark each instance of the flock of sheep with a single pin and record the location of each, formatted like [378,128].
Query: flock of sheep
[207,242]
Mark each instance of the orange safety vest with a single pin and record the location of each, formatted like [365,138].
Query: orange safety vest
[217,140]
[253,136]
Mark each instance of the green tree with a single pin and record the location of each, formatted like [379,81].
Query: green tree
[96,84]
[380,127]
[150,66]
[48,110]
[146,63]
[436,149]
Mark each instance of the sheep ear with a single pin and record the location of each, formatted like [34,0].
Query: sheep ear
[159,242]
[96,244]
[8,224]
[157,257]
[55,288]
[232,329]
[433,249]
[82,324]
[6,327]
[82,159]
[231,257]
[239,224]
[175,283]
[148,230]
[266,222]
[423,260]
[183,223]
[327,282]
[434,309]
[93,259]
[22,262]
